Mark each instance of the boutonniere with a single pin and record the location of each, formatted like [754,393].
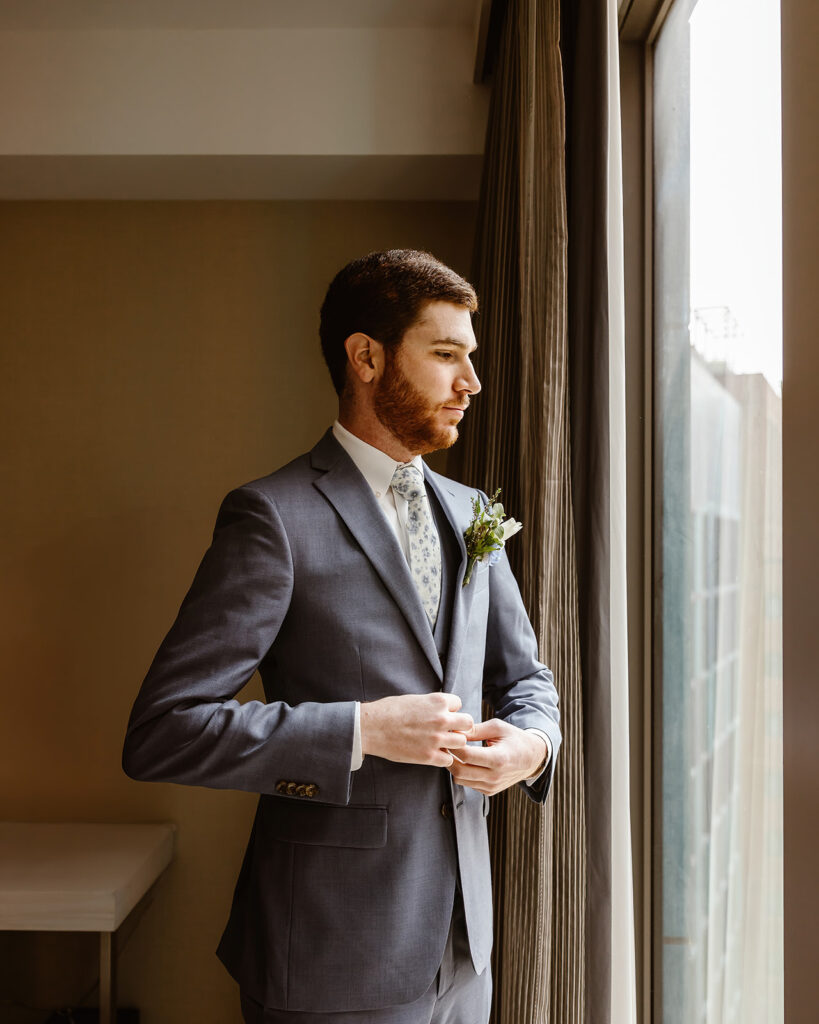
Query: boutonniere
[487,532]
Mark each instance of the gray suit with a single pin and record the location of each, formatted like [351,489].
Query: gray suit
[346,892]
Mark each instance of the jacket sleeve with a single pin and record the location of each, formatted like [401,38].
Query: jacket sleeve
[516,683]
[186,726]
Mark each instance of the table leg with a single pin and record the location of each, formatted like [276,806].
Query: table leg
[108,978]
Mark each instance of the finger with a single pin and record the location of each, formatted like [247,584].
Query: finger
[466,774]
[442,759]
[485,757]
[453,701]
[461,722]
[485,782]
[481,785]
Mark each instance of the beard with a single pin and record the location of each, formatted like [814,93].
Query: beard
[406,413]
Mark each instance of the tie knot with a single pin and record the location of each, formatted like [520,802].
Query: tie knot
[408,481]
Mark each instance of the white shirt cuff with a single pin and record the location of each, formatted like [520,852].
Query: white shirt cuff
[357,758]
[545,738]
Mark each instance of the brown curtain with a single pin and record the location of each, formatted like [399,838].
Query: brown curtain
[586,58]
[518,438]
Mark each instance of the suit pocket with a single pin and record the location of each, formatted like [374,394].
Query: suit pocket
[362,828]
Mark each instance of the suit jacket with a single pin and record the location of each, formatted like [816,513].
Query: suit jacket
[345,894]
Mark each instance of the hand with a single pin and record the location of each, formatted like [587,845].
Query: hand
[415,728]
[510,755]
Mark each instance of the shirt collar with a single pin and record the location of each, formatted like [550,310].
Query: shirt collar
[375,466]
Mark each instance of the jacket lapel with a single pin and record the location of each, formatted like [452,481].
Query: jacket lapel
[462,599]
[350,495]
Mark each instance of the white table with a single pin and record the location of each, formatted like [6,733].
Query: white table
[80,878]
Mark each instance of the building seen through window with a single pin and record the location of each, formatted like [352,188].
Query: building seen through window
[718,508]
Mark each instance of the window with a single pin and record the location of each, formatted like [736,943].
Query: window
[718,538]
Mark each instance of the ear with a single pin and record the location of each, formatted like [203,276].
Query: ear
[365,355]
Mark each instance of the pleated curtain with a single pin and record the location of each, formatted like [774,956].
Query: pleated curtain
[596,338]
[549,429]
[518,439]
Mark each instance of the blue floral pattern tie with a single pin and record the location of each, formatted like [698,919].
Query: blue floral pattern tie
[424,548]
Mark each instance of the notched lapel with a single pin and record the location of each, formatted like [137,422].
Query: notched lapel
[350,495]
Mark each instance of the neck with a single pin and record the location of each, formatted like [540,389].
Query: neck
[367,427]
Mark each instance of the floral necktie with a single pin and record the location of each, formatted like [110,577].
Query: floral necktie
[424,549]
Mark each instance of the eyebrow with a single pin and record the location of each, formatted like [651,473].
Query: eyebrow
[453,341]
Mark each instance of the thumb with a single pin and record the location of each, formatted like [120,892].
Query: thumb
[483,730]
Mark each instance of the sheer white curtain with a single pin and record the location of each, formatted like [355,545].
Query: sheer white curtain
[623,967]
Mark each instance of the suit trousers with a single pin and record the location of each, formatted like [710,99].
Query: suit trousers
[457,994]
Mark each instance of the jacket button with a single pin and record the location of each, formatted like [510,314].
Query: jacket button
[310,789]
[446,810]
[281,786]
[291,789]
[301,790]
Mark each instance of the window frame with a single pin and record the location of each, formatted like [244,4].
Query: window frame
[640,22]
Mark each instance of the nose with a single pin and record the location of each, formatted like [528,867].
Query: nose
[469,382]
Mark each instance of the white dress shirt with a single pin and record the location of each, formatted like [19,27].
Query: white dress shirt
[378,468]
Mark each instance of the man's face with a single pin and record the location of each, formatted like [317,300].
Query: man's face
[427,380]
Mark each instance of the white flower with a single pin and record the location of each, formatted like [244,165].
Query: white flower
[487,533]
[509,528]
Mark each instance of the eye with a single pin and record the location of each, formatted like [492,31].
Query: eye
[444,355]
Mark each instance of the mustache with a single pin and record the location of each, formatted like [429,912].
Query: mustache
[452,405]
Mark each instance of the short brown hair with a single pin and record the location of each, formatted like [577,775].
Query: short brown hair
[382,295]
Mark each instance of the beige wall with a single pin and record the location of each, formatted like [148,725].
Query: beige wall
[800,487]
[154,355]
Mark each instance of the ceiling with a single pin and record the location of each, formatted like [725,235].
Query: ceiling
[239,14]
[391,111]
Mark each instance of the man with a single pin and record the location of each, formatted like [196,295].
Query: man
[365,890]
